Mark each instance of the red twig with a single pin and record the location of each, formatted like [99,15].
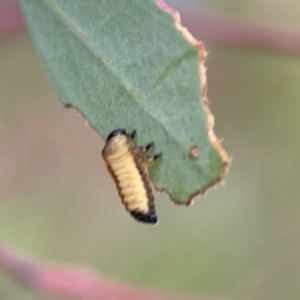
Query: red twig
[75,282]
[273,38]
[11,19]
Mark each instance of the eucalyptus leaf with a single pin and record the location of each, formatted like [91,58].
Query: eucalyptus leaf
[124,64]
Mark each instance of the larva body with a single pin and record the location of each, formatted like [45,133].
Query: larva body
[128,165]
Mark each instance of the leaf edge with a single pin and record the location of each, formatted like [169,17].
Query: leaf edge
[205,105]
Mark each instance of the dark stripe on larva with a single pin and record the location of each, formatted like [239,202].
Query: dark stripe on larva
[147,186]
[150,216]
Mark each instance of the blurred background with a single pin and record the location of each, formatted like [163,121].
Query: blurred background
[241,241]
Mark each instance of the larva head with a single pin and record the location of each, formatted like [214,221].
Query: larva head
[115,133]
[116,142]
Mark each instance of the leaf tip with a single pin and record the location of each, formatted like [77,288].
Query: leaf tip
[194,152]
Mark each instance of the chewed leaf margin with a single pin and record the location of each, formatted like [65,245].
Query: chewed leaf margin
[204,102]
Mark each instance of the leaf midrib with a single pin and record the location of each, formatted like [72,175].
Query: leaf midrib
[81,36]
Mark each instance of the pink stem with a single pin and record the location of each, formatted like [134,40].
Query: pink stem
[225,31]
[75,282]
[232,32]
[11,19]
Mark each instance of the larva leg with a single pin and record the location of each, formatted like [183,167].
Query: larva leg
[149,160]
[131,137]
[144,149]
[157,156]
[133,133]
[148,147]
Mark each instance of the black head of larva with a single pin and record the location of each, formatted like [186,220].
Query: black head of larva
[119,131]
[149,217]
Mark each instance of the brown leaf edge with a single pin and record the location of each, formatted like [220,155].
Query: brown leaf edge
[204,101]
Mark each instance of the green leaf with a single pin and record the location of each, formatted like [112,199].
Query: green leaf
[126,64]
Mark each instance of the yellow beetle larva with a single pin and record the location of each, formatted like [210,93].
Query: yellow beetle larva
[128,165]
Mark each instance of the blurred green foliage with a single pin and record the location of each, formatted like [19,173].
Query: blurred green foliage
[240,241]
